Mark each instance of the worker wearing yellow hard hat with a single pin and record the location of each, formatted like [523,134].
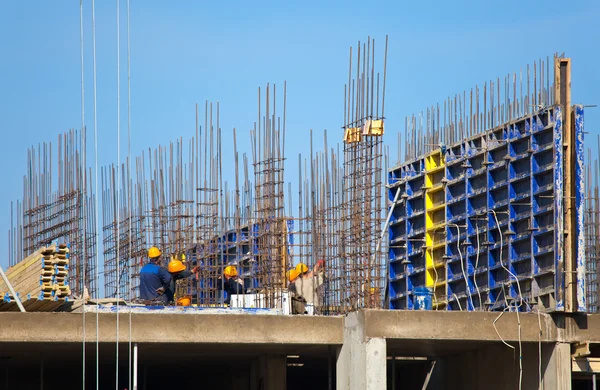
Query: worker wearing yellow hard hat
[231,283]
[154,280]
[178,271]
[303,285]
[303,270]
[292,275]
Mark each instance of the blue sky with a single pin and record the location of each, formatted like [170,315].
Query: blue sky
[187,52]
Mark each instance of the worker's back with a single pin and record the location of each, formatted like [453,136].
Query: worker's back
[308,288]
[153,277]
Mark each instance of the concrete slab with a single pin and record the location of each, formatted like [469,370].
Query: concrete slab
[448,325]
[159,328]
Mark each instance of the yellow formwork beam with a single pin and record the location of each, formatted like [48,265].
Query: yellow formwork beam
[352,135]
[373,128]
[435,223]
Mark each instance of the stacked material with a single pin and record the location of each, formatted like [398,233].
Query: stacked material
[41,280]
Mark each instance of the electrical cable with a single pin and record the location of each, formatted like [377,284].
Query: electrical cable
[507,305]
[462,266]
[434,268]
[520,350]
[457,301]
[540,379]
[129,163]
[84,194]
[96,198]
[501,246]
[502,263]
[477,263]
[118,197]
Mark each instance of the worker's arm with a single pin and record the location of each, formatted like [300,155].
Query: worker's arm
[319,266]
[222,284]
[165,278]
[185,274]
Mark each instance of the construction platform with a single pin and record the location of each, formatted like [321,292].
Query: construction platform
[241,350]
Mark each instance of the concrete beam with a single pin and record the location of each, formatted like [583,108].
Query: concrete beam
[579,328]
[461,326]
[153,328]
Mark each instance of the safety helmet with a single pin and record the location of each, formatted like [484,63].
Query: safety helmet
[301,268]
[292,275]
[184,301]
[154,252]
[176,266]
[230,271]
[182,257]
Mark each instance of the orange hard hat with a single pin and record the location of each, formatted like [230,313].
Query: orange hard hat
[184,301]
[176,266]
[230,271]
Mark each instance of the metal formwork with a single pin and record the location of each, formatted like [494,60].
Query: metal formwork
[480,223]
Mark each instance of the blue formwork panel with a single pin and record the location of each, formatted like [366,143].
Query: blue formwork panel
[504,228]
[406,233]
[580,259]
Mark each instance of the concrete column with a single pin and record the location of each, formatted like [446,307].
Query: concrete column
[361,362]
[556,367]
[273,372]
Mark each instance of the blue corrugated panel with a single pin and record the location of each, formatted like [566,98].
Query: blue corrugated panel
[558,209]
[581,266]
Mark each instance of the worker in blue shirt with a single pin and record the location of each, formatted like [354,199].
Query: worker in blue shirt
[154,280]
[178,271]
[231,283]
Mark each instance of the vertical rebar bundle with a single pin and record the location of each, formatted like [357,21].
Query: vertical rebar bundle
[58,208]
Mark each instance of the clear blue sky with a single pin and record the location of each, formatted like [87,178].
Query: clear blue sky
[186,52]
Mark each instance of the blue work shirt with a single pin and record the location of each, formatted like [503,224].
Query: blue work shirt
[153,277]
[231,286]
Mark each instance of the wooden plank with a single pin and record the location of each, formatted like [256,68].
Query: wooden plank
[581,350]
[25,280]
[26,268]
[27,260]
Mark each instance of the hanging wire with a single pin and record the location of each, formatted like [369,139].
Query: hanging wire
[118,197]
[129,177]
[97,207]
[83,197]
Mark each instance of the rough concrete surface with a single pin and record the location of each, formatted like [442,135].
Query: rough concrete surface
[239,329]
[447,325]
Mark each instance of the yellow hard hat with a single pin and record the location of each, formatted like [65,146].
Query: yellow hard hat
[184,301]
[230,271]
[301,268]
[292,275]
[182,257]
[176,266]
[154,252]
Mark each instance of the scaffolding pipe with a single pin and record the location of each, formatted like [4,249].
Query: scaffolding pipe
[12,291]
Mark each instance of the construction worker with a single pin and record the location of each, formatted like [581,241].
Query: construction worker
[178,271]
[306,286]
[303,270]
[154,280]
[231,283]
[298,302]
[292,275]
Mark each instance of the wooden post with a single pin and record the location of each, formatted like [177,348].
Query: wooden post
[562,86]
